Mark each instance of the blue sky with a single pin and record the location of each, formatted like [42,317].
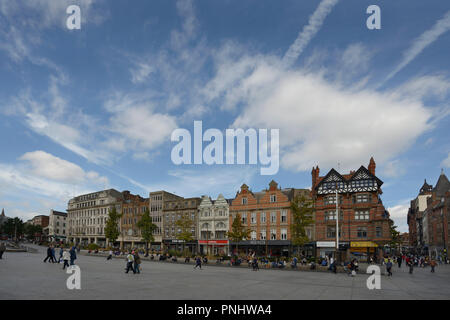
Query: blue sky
[83,110]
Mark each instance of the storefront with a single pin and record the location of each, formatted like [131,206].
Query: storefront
[214,247]
[179,245]
[325,248]
[273,248]
[363,250]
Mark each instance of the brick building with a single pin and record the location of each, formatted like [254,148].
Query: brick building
[267,214]
[437,214]
[173,211]
[133,207]
[364,224]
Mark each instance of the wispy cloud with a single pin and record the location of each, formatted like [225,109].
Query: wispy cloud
[424,40]
[309,31]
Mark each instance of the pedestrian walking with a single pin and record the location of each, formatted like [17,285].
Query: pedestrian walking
[137,262]
[73,255]
[389,267]
[2,249]
[130,260]
[61,251]
[109,255]
[198,263]
[433,265]
[255,264]
[411,266]
[53,255]
[49,256]
[66,258]
[399,261]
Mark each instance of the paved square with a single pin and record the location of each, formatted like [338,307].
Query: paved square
[25,276]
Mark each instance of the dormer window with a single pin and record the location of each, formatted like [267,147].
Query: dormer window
[273,198]
[244,200]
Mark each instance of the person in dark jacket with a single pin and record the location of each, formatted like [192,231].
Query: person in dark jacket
[399,261]
[137,262]
[49,255]
[389,267]
[2,249]
[73,255]
[198,263]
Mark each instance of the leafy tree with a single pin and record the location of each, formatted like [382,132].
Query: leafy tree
[185,224]
[13,227]
[238,231]
[302,216]
[32,231]
[147,228]
[395,235]
[112,225]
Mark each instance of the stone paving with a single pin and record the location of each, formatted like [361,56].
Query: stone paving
[25,276]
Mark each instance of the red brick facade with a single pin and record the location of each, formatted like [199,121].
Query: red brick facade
[362,217]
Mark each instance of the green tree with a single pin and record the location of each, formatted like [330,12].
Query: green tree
[185,224]
[112,225]
[238,231]
[395,235]
[14,228]
[32,231]
[147,228]
[302,216]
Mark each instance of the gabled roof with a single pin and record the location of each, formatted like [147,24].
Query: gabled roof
[442,185]
[425,188]
[329,175]
[363,170]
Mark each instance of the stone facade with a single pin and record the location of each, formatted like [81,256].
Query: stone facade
[213,224]
[87,215]
[173,211]
[157,202]
[57,227]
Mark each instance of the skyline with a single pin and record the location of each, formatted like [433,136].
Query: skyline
[92,109]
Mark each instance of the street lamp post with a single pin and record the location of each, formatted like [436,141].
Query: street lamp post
[337,224]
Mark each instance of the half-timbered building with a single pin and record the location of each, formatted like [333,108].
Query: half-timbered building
[364,224]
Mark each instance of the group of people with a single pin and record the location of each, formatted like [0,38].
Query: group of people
[133,262]
[64,256]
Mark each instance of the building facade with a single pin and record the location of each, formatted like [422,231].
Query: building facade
[364,224]
[213,224]
[417,220]
[158,201]
[133,207]
[40,220]
[57,227]
[267,214]
[173,211]
[87,215]
[438,218]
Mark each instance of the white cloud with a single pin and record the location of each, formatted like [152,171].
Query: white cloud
[141,128]
[309,31]
[424,40]
[393,169]
[399,214]
[45,165]
[322,121]
[446,162]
